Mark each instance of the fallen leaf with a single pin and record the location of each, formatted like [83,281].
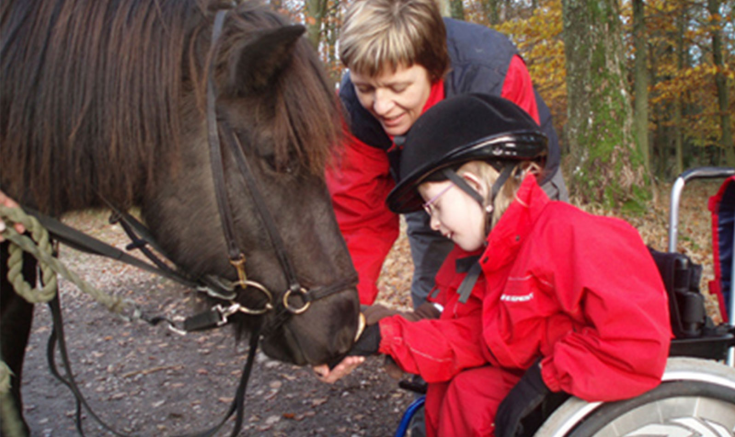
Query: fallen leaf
[317,402]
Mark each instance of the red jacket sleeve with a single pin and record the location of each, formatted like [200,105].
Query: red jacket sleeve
[439,349]
[518,87]
[359,182]
[435,349]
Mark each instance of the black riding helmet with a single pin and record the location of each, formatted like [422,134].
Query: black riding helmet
[468,127]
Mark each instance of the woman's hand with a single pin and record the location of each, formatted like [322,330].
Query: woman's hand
[341,370]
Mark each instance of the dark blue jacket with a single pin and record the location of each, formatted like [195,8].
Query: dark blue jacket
[479,58]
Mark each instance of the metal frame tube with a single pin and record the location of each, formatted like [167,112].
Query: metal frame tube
[676,190]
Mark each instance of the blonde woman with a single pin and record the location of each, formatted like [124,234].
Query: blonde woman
[403,58]
[537,296]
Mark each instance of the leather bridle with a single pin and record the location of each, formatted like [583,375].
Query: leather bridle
[222,130]
[218,314]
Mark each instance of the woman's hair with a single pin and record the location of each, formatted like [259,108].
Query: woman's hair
[488,174]
[380,34]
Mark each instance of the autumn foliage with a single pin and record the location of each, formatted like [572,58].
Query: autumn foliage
[682,71]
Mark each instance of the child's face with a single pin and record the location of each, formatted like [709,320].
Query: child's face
[454,213]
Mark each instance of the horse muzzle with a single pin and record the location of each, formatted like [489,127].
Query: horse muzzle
[326,328]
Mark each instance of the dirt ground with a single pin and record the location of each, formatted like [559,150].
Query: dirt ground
[149,381]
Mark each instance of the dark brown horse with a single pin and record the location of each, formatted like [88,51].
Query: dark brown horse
[106,99]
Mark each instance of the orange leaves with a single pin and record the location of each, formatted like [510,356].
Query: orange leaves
[539,39]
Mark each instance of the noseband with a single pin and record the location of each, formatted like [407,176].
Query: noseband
[222,129]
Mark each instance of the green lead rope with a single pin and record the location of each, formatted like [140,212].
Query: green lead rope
[39,246]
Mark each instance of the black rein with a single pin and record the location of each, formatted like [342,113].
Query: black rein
[218,315]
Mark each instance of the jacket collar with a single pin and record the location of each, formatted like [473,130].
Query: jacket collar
[514,226]
[436,95]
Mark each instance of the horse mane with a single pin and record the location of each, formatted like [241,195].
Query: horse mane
[305,113]
[90,92]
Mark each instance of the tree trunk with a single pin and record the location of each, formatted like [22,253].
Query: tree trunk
[607,164]
[457,9]
[315,11]
[491,8]
[640,91]
[331,35]
[681,18]
[444,7]
[277,5]
[657,115]
[713,6]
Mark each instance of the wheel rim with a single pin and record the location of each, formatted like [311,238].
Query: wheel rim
[676,416]
[682,408]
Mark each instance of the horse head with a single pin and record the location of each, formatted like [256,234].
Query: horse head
[275,109]
[113,111]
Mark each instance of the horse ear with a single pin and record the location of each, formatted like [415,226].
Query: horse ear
[256,62]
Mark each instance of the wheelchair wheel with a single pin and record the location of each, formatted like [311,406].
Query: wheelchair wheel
[696,398]
[412,423]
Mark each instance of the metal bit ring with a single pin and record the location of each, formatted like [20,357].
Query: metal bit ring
[292,310]
[260,287]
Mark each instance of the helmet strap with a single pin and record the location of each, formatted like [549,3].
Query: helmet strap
[499,182]
[461,183]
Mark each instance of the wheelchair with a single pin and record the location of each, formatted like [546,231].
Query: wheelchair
[697,394]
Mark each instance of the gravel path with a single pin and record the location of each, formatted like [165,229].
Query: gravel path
[151,382]
[148,381]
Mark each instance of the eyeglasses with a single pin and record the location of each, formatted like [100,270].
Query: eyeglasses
[429,206]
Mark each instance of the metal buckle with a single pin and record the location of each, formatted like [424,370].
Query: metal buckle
[286,305]
[225,312]
[239,264]
[213,293]
[268,305]
[170,326]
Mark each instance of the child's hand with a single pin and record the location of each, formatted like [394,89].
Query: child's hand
[341,370]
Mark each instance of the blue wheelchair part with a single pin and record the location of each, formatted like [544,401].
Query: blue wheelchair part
[725,229]
[408,415]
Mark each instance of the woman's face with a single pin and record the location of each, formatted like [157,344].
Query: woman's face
[454,213]
[395,99]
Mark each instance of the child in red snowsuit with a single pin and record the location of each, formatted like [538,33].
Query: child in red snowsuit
[537,296]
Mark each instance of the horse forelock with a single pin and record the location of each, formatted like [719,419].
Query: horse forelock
[89,97]
[303,103]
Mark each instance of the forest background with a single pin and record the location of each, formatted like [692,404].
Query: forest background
[639,90]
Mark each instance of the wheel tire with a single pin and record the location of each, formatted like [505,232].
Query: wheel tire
[696,398]
[417,426]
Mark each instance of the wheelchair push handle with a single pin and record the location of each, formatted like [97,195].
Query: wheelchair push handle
[681,181]
[676,190]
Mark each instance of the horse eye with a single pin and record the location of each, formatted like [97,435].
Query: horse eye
[290,168]
[288,165]
[270,160]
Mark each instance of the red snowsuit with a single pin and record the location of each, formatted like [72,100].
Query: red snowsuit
[360,182]
[579,291]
